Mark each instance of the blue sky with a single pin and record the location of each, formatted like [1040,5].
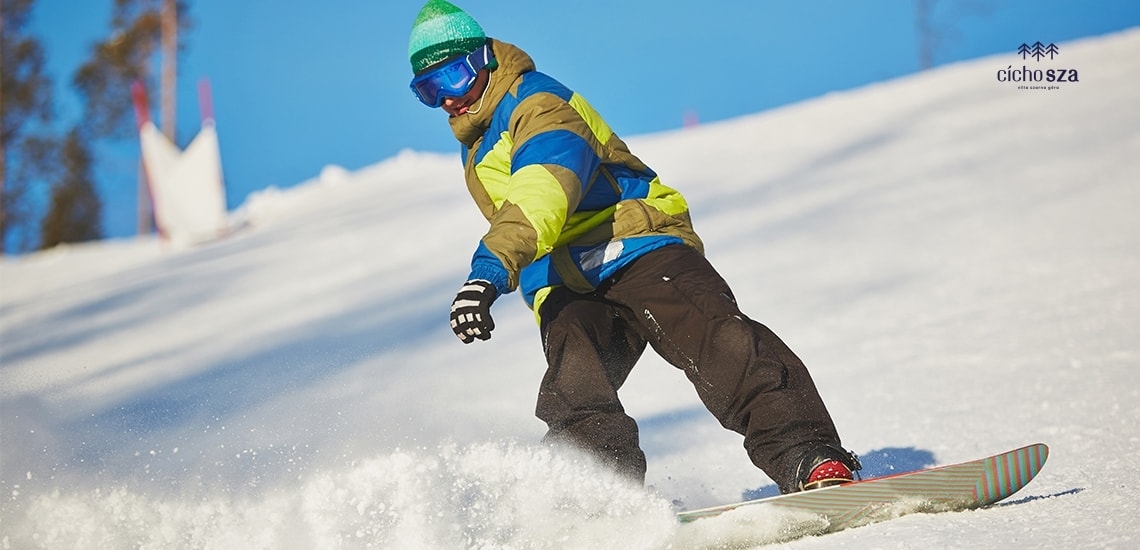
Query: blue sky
[298,85]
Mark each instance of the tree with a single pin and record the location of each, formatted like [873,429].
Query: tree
[931,34]
[25,108]
[138,29]
[75,212]
[928,37]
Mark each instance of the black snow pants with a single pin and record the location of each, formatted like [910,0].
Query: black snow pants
[674,300]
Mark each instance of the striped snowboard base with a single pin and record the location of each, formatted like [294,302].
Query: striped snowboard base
[956,487]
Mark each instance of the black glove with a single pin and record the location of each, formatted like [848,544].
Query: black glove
[471,311]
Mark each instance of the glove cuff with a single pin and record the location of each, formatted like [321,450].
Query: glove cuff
[491,274]
[492,292]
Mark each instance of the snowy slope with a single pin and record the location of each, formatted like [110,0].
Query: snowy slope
[954,258]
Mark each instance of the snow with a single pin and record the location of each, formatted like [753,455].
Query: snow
[954,258]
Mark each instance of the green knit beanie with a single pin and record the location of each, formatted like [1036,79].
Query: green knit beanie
[442,30]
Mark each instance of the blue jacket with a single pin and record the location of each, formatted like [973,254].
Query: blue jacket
[567,202]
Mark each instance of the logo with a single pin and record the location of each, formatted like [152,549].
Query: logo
[1038,50]
[1038,77]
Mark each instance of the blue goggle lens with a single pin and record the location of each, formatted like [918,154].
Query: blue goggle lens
[452,79]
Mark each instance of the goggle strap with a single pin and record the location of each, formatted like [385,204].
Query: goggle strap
[477,63]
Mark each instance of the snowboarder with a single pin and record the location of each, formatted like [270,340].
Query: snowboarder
[606,256]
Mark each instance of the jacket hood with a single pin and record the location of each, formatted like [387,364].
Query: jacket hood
[513,62]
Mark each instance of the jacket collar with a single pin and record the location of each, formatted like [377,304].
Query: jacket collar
[512,64]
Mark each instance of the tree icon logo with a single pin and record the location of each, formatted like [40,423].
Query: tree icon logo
[1040,77]
[1038,50]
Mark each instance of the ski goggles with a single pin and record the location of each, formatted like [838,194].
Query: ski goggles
[453,78]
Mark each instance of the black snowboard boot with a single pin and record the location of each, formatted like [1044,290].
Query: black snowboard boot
[825,466]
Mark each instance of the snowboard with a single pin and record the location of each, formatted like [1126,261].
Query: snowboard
[963,486]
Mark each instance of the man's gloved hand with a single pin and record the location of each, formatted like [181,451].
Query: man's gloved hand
[471,311]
